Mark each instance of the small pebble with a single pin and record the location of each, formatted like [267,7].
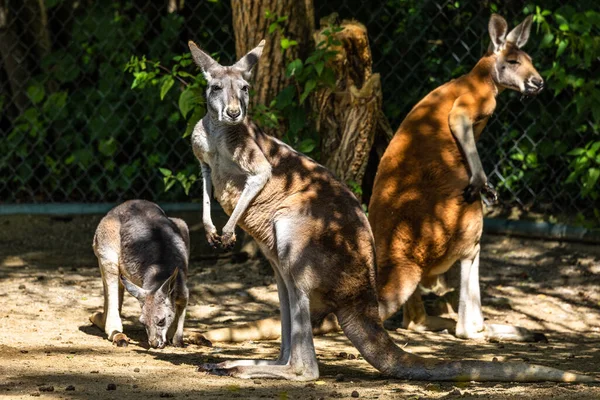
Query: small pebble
[343,354]
[22,287]
[135,386]
[495,359]
[355,394]
[136,370]
[70,388]
[351,357]
[165,394]
[111,386]
[46,389]
[94,372]
[24,351]
[35,394]
[257,382]
[339,378]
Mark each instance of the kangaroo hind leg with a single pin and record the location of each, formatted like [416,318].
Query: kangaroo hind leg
[293,258]
[470,323]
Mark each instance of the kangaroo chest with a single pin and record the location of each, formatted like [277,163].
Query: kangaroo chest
[228,179]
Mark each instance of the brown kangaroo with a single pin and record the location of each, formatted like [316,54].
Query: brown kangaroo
[317,238]
[425,210]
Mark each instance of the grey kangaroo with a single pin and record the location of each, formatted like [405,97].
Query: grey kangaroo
[142,250]
[317,238]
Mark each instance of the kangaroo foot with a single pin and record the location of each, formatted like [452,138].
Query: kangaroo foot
[199,340]
[431,323]
[263,371]
[500,332]
[97,319]
[120,340]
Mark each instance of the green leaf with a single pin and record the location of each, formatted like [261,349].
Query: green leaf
[196,116]
[294,68]
[576,152]
[184,74]
[592,178]
[285,98]
[547,39]
[169,184]
[187,101]
[287,43]
[36,93]
[319,67]
[166,86]
[307,145]
[108,147]
[296,120]
[308,88]
[562,45]
[166,172]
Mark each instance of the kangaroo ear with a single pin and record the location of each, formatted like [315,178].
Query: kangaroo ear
[134,290]
[168,286]
[203,60]
[497,28]
[246,63]
[520,34]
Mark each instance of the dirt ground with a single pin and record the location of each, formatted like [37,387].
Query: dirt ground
[50,284]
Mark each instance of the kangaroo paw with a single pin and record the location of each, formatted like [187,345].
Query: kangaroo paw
[120,340]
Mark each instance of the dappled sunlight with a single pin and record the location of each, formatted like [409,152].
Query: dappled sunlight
[47,339]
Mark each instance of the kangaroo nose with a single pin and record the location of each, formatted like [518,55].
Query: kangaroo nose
[233,112]
[538,83]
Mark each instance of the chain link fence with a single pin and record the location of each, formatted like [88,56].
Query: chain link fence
[73,130]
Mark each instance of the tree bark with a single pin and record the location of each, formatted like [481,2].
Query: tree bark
[14,57]
[350,116]
[250,26]
[24,41]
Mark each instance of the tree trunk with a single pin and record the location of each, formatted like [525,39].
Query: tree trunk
[14,57]
[24,41]
[250,26]
[350,116]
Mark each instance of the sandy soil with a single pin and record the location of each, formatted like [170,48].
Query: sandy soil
[50,284]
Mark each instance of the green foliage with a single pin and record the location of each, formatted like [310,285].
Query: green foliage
[185,178]
[86,136]
[525,145]
[290,108]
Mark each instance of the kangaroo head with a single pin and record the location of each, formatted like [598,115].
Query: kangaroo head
[227,87]
[158,308]
[513,67]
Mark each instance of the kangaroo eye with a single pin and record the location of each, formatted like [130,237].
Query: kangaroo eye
[513,62]
[161,322]
[245,88]
[216,88]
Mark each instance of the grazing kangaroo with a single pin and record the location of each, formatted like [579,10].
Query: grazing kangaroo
[425,210]
[142,250]
[317,238]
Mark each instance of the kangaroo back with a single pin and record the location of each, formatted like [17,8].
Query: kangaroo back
[142,250]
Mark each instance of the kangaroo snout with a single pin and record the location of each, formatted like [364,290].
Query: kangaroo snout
[534,85]
[233,112]
[157,343]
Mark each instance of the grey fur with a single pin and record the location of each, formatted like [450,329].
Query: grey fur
[139,248]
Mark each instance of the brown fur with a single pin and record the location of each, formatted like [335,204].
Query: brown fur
[317,238]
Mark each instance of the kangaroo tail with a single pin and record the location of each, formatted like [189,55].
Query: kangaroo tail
[361,323]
